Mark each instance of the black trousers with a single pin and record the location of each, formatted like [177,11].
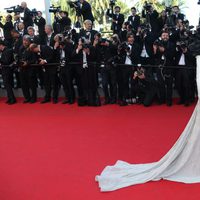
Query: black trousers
[90,85]
[51,82]
[183,84]
[145,93]
[7,75]
[66,78]
[125,74]
[109,83]
[165,85]
[28,81]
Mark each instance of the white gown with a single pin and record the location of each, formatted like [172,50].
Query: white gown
[181,163]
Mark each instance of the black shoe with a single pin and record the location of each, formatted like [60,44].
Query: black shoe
[106,102]
[180,102]
[55,101]
[26,101]
[123,103]
[32,101]
[169,104]
[113,101]
[65,101]
[11,102]
[45,101]
[71,102]
[186,104]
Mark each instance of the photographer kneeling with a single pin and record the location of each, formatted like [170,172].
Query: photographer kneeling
[143,86]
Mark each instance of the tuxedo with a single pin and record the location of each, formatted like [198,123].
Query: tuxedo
[86,11]
[7,72]
[119,18]
[134,21]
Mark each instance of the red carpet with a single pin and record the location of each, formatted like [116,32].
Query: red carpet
[53,152]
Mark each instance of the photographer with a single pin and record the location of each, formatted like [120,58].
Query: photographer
[26,15]
[31,33]
[87,33]
[185,60]
[145,39]
[107,51]
[129,55]
[134,19]
[27,73]
[45,55]
[86,74]
[61,22]
[86,11]
[176,15]
[117,19]
[49,38]
[64,53]
[151,16]
[6,62]
[7,27]
[144,87]
[40,22]
[164,52]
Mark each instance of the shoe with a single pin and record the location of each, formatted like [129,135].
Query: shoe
[11,102]
[55,101]
[186,104]
[106,102]
[65,101]
[123,103]
[32,101]
[113,101]
[45,101]
[26,101]
[169,104]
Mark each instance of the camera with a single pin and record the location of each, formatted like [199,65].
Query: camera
[181,45]
[102,41]
[73,4]
[140,71]
[14,9]
[168,10]
[147,6]
[158,43]
[54,9]
[124,46]
[112,3]
[33,12]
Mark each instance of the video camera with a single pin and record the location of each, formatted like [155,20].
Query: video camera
[74,4]
[147,6]
[54,9]
[14,9]
[112,3]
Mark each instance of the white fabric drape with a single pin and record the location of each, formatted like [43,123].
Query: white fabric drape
[181,163]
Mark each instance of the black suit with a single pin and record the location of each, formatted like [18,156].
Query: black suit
[7,72]
[183,76]
[134,21]
[27,19]
[119,20]
[86,11]
[50,73]
[87,79]
[41,22]
[28,74]
[7,27]
[125,72]
[66,71]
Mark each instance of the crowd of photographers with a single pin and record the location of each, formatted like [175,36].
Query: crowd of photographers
[140,63]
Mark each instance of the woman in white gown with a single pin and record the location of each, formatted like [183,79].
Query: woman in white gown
[181,163]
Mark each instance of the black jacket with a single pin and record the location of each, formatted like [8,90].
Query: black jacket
[7,27]
[27,19]
[86,11]
[41,22]
[116,27]
[7,57]
[134,23]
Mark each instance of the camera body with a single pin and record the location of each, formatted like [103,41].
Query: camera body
[124,46]
[147,6]
[14,9]
[112,3]
[54,9]
[158,43]
[73,4]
